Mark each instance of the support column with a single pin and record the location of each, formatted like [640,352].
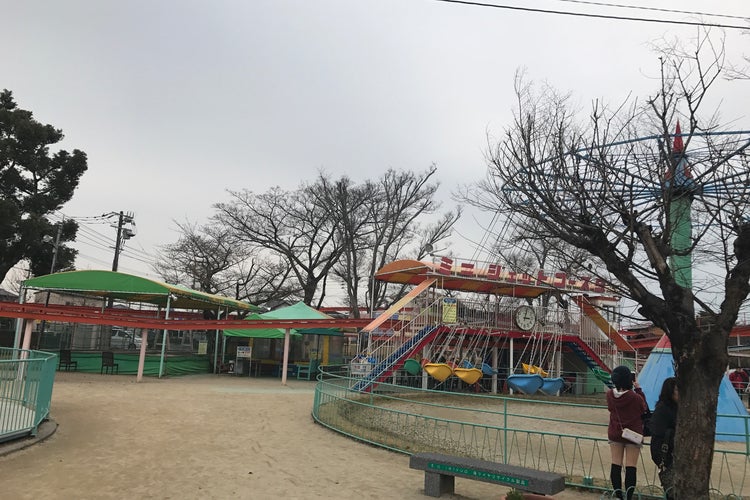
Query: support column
[142,356]
[164,338]
[287,335]
[510,365]
[494,369]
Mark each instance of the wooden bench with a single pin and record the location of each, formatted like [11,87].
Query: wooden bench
[440,472]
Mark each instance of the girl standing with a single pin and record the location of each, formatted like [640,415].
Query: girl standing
[626,403]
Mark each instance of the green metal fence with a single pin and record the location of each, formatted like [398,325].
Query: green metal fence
[26,380]
[542,433]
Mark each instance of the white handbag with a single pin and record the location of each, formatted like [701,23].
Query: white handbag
[632,436]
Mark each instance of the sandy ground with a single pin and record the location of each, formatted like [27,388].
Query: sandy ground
[206,437]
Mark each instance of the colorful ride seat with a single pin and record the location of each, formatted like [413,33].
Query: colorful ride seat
[532,369]
[469,375]
[525,383]
[487,369]
[552,386]
[438,371]
[412,366]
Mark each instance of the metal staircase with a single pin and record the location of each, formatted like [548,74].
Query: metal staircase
[393,362]
[584,352]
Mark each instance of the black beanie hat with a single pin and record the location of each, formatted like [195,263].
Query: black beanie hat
[622,377]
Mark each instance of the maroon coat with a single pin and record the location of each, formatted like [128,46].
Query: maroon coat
[625,412]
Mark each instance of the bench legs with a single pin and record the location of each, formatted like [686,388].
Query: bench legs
[436,484]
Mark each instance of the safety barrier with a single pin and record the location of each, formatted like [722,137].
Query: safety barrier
[26,380]
[507,430]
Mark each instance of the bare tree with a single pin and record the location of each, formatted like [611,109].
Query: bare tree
[295,226]
[625,203]
[334,228]
[371,228]
[206,258]
[200,258]
[401,199]
[265,281]
[349,205]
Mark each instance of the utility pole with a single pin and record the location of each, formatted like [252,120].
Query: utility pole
[122,234]
[43,325]
[57,244]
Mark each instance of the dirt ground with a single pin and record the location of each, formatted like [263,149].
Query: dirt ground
[206,437]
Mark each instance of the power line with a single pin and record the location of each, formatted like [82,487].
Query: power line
[596,16]
[657,9]
[134,257]
[89,236]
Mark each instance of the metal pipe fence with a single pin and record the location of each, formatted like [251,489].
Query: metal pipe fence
[26,380]
[540,433]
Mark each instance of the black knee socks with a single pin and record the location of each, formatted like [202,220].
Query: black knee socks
[615,475]
[630,477]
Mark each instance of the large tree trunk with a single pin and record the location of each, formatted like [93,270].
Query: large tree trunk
[700,365]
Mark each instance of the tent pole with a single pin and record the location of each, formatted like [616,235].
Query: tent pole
[224,351]
[510,365]
[216,342]
[97,341]
[494,368]
[27,338]
[164,337]
[19,321]
[287,334]
[142,355]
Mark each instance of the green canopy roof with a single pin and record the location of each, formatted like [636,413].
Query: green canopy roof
[111,284]
[300,310]
[259,333]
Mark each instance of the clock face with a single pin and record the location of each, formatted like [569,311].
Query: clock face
[525,317]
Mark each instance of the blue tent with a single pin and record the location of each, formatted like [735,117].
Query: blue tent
[733,417]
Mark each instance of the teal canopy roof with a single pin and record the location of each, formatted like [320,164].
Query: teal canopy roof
[300,310]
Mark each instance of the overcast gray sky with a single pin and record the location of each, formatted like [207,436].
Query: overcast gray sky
[176,101]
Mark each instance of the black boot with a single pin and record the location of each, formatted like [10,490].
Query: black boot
[615,475]
[630,478]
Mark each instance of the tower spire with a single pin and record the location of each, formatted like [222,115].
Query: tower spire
[677,146]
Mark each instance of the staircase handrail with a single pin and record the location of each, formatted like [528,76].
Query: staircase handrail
[415,324]
[389,354]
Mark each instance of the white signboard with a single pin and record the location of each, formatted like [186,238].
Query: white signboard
[360,369]
[244,351]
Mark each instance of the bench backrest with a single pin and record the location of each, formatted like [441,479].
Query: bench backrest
[520,478]
[108,358]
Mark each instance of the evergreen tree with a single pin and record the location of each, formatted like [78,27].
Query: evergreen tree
[33,184]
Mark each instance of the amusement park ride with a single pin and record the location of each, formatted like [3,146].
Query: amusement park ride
[462,318]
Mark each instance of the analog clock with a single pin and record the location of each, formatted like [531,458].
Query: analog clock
[525,317]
